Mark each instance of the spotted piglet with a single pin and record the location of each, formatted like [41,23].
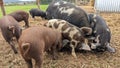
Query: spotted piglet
[75,35]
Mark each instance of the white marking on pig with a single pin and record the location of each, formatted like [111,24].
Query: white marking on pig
[109,48]
[85,47]
[95,20]
[52,17]
[51,23]
[93,46]
[67,30]
[62,9]
[56,21]
[46,13]
[63,21]
[68,11]
[97,39]
[64,2]
[95,31]
[53,20]
[73,51]
[60,27]
[77,6]
[94,16]
[108,30]
[72,33]
[57,4]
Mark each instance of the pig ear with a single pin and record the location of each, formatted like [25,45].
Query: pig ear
[45,24]
[86,30]
[12,28]
[109,48]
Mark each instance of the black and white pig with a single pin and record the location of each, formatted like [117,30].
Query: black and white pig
[101,34]
[69,12]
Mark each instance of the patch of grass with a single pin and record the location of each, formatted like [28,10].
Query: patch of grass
[10,9]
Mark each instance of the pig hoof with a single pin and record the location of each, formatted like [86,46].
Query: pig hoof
[74,55]
[15,52]
[55,58]
[24,27]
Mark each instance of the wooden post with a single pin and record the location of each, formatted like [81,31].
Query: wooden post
[2,7]
[92,2]
[76,2]
[38,3]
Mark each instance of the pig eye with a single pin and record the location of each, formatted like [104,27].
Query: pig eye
[50,26]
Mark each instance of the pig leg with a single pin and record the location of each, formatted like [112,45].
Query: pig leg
[85,46]
[9,40]
[54,54]
[29,63]
[73,50]
[13,47]
[109,48]
[26,23]
[65,42]
[38,61]
[33,16]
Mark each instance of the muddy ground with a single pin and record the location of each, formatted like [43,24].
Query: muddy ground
[85,60]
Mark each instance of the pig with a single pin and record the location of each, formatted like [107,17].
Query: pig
[35,40]
[21,15]
[74,34]
[69,12]
[10,30]
[37,12]
[101,34]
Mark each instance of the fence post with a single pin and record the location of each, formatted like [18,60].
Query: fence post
[2,7]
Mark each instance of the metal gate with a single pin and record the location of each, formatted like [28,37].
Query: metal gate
[107,5]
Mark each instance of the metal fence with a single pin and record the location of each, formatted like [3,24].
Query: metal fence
[107,5]
[49,1]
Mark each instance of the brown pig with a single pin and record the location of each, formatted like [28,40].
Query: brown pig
[35,40]
[10,29]
[21,16]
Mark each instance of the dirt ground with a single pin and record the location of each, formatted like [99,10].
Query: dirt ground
[84,60]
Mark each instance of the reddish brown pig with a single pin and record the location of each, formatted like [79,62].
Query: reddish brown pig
[35,40]
[21,16]
[10,30]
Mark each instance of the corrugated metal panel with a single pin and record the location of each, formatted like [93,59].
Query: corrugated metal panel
[27,0]
[107,5]
[9,1]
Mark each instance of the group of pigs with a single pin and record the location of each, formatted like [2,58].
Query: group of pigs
[68,26]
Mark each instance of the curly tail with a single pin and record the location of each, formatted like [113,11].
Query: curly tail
[25,48]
